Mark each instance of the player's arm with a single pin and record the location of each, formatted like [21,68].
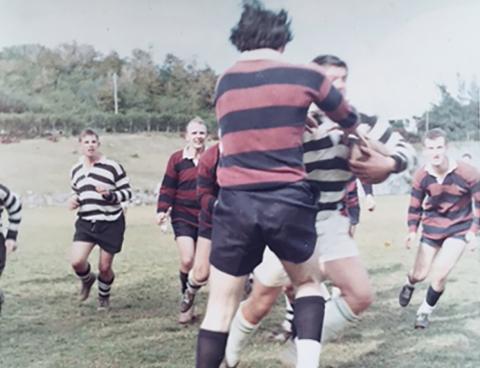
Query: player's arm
[13,205]
[334,105]
[415,208]
[401,151]
[167,192]
[122,191]
[472,233]
[352,205]
[207,181]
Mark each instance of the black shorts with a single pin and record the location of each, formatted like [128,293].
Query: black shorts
[181,228]
[3,253]
[244,222]
[439,242]
[107,234]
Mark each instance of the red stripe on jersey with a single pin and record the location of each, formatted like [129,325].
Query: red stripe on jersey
[257,97]
[254,140]
[248,178]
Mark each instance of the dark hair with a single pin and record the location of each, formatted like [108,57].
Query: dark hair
[86,132]
[370,120]
[434,134]
[260,28]
[330,60]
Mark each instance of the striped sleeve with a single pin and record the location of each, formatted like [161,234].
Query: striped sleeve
[168,189]
[122,191]
[402,152]
[74,179]
[335,106]
[207,187]
[13,205]
[351,202]
[475,189]
[417,195]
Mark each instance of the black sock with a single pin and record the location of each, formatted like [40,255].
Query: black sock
[84,274]
[308,317]
[433,296]
[183,281]
[210,348]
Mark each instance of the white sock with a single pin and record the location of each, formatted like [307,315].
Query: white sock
[409,283]
[238,337]
[288,321]
[425,308]
[308,353]
[338,316]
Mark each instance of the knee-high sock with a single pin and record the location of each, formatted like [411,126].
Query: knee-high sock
[430,301]
[338,316]
[210,348]
[240,332]
[104,287]
[308,320]
[183,281]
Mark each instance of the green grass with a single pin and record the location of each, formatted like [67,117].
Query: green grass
[42,166]
[43,325]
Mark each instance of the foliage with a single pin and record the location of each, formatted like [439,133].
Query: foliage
[459,116]
[71,86]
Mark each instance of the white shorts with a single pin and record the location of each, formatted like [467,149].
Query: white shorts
[333,242]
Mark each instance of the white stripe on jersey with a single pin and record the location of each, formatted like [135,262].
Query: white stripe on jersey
[326,155]
[108,174]
[12,203]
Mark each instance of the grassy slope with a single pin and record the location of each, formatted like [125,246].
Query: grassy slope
[44,326]
[43,166]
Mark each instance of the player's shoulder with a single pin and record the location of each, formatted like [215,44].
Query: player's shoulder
[76,166]
[420,173]
[4,191]
[467,171]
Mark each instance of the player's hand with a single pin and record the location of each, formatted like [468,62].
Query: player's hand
[370,202]
[162,217]
[410,240]
[102,190]
[374,167]
[11,245]
[471,239]
[73,202]
[311,123]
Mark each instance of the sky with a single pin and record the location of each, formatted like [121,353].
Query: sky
[397,50]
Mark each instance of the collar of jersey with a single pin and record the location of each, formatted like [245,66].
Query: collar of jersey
[452,165]
[261,54]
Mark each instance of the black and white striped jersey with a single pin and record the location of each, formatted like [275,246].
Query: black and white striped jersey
[326,155]
[13,205]
[106,173]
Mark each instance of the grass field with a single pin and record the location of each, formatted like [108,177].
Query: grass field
[43,325]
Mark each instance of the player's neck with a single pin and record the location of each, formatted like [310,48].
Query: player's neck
[90,160]
[442,169]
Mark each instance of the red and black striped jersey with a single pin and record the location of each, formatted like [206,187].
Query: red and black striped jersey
[261,106]
[179,189]
[444,207]
[207,186]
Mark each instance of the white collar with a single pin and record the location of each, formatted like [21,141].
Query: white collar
[83,160]
[261,54]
